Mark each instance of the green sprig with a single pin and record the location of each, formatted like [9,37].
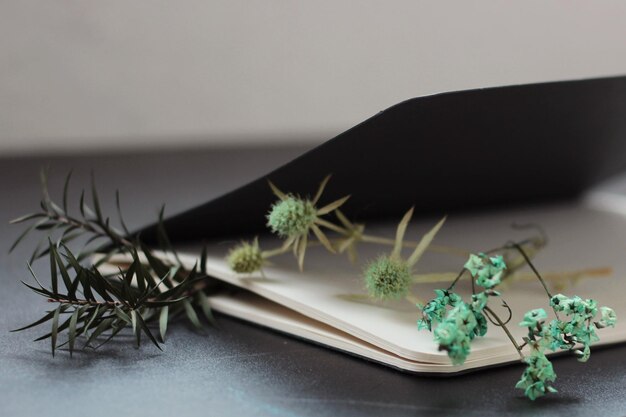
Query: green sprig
[94,306]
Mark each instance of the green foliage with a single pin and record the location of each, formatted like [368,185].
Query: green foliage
[93,306]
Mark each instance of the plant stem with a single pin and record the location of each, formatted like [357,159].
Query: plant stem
[506,330]
[85,302]
[456,280]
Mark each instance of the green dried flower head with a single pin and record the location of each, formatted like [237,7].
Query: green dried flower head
[481,325]
[455,333]
[435,309]
[559,302]
[488,271]
[575,306]
[387,278]
[608,317]
[291,216]
[533,317]
[446,333]
[536,379]
[479,301]
[245,258]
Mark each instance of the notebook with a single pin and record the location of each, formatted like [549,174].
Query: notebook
[486,158]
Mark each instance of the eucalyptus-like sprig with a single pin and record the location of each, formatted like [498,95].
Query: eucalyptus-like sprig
[93,305]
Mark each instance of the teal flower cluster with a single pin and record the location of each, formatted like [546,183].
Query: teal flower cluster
[292,216]
[464,321]
[456,332]
[579,329]
[488,271]
[387,278]
[435,309]
[534,318]
[538,376]
[609,318]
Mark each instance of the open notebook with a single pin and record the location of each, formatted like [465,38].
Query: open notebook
[521,154]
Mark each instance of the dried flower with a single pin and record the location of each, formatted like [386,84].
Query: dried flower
[488,271]
[536,379]
[246,258]
[455,333]
[533,317]
[435,309]
[390,276]
[293,217]
[387,278]
[608,317]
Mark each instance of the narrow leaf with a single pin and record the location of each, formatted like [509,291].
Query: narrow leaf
[332,206]
[276,191]
[96,200]
[321,188]
[397,247]
[104,325]
[302,251]
[147,331]
[136,332]
[424,243]
[163,318]
[65,194]
[55,326]
[344,220]
[26,217]
[205,306]
[322,238]
[191,314]
[25,233]
[72,331]
[38,322]
[119,212]
[203,259]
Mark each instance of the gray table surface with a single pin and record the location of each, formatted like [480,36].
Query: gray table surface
[235,369]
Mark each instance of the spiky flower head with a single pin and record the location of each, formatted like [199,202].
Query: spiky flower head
[387,278]
[245,258]
[292,216]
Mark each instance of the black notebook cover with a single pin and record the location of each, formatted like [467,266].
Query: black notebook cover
[441,153]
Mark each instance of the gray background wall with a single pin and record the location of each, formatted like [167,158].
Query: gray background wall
[118,74]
